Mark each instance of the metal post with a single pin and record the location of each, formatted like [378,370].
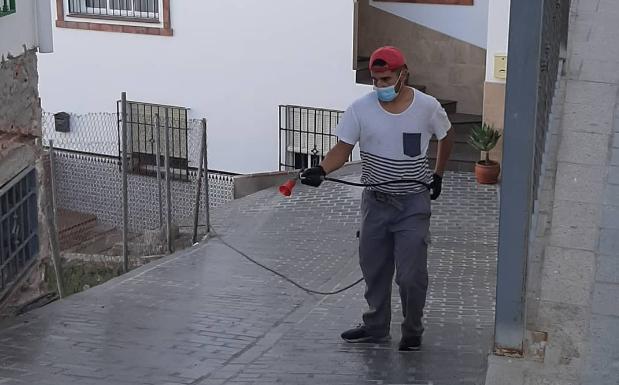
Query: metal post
[125,197]
[158,145]
[207,202]
[52,224]
[196,208]
[521,102]
[168,184]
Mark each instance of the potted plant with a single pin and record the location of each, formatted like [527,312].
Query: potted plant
[483,138]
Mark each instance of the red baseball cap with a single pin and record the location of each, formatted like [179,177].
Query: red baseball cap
[391,56]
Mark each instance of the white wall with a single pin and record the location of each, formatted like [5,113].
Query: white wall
[498,34]
[232,62]
[464,22]
[18,29]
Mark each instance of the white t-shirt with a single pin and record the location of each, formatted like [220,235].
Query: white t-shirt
[394,146]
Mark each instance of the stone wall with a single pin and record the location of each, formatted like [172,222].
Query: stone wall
[20,108]
[20,128]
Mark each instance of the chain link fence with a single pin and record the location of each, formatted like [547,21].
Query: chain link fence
[93,133]
[89,186]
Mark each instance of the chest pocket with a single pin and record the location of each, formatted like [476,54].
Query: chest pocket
[411,143]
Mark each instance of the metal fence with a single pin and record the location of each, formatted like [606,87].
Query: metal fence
[553,45]
[143,10]
[91,133]
[306,134]
[537,42]
[88,149]
[147,125]
[19,239]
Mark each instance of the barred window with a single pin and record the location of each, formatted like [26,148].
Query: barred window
[19,240]
[134,9]
[7,7]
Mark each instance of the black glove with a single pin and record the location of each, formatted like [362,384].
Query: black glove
[313,176]
[435,186]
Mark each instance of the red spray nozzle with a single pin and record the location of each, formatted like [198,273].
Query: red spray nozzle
[286,188]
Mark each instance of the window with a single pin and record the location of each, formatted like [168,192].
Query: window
[7,7]
[19,240]
[145,17]
[131,9]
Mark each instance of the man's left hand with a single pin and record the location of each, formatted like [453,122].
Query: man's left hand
[436,186]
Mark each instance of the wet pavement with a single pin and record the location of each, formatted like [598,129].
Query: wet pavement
[208,316]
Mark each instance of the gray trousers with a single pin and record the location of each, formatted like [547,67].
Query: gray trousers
[394,236]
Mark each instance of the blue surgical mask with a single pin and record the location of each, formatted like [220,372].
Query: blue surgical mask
[387,94]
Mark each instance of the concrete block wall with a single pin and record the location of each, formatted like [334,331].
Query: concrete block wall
[93,184]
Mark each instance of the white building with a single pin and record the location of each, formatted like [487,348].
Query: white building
[25,23]
[234,63]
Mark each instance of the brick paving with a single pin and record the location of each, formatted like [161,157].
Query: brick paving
[206,316]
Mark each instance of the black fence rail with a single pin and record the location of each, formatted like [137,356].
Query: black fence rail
[140,10]
[553,48]
[306,134]
[146,128]
[19,239]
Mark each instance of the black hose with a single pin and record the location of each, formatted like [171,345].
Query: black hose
[286,278]
[397,181]
[281,274]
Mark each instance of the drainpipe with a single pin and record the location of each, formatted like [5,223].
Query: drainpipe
[43,17]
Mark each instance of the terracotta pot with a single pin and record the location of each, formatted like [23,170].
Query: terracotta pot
[487,172]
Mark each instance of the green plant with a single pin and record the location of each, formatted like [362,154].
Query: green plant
[483,138]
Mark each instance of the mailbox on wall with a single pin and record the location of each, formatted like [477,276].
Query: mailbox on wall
[61,122]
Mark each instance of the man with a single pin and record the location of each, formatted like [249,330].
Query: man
[393,125]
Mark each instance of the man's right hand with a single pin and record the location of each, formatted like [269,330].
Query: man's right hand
[313,176]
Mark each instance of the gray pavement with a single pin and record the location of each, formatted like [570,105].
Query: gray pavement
[207,316]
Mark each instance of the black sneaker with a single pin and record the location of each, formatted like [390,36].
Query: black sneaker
[362,334]
[410,344]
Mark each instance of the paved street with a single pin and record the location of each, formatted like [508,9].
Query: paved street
[207,316]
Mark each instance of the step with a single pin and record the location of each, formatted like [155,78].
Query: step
[450,106]
[455,165]
[463,157]
[460,152]
[74,227]
[69,219]
[462,124]
[96,240]
[459,118]
[461,128]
